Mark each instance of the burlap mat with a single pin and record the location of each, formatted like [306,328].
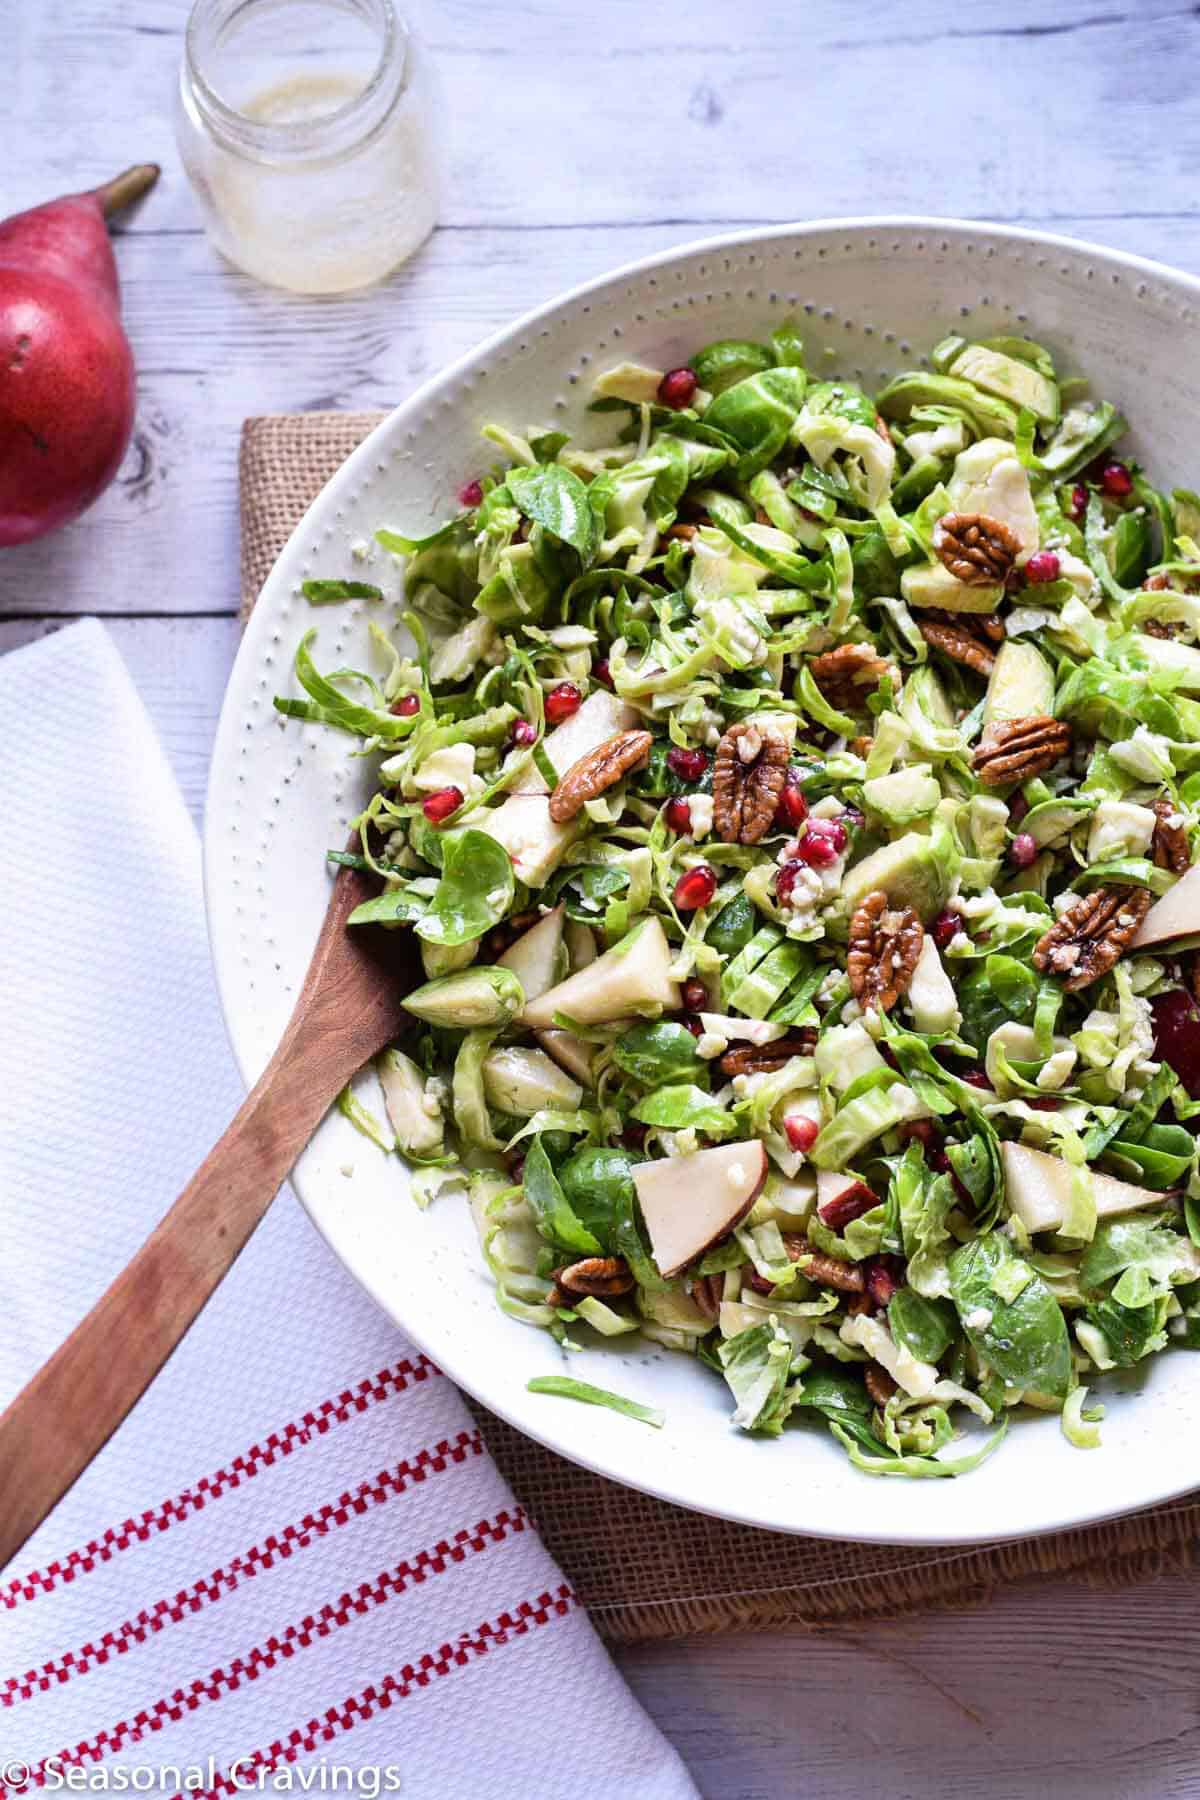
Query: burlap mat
[648,1570]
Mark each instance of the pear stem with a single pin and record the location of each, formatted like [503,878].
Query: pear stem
[127,187]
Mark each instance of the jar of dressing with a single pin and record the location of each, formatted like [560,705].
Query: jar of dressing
[307,130]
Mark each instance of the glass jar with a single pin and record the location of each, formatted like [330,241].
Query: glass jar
[307,130]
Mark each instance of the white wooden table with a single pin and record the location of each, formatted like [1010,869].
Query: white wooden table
[584,135]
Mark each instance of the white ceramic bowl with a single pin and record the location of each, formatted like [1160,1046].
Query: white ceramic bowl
[872,296]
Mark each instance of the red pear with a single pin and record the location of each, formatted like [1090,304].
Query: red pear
[66,369]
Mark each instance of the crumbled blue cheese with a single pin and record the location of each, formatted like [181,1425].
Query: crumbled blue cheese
[711,1044]
[700,815]
[979,1320]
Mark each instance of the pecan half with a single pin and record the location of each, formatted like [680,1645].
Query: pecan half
[967,638]
[878,1383]
[1169,845]
[706,1292]
[749,771]
[828,1271]
[1175,583]
[1091,935]
[753,1059]
[885,942]
[1017,749]
[596,771]
[848,674]
[602,1276]
[978,551]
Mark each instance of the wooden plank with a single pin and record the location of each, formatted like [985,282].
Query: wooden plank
[1054,1690]
[563,115]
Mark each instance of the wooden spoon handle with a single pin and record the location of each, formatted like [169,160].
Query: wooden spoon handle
[55,1426]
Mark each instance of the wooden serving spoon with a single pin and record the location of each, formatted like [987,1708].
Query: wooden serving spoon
[350,1007]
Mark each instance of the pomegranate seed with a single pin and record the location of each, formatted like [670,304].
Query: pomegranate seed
[523,732]
[439,806]
[602,673]
[1177,1035]
[850,1204]
[939,1162]
[975,1078]
[822,843]
[691,1023]
[792,810]
[1078,503]
[1049,1104]
[689,765]
[1023,851]
[884,1278]
[677,387]
[695,996]
[562,702]
[786,880]
[833,829]
[695,888]
[678,815]
[1116,480]
[802,1133]
[944,929]
[634,1135]
[406,706]
[923,1132]
[1043,566]
[471,494]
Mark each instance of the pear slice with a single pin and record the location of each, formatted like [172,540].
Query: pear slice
[1176,915]
[1039,1189]
[523,1081]
[569,1052]
[832,1184]
[537,959]
[633,977]
[691,1202]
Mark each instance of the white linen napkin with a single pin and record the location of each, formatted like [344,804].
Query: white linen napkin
[296,1555]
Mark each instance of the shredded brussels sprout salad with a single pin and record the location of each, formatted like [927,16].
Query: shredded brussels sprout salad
[794,802]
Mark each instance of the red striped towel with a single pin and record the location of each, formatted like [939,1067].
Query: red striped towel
[296,1556]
